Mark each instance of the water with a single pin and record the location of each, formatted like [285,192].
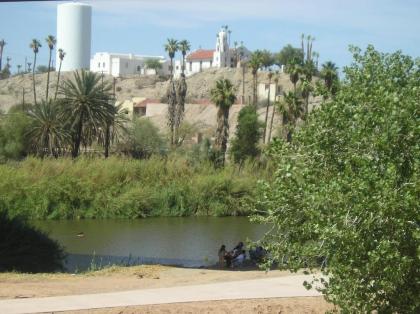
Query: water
[184,241]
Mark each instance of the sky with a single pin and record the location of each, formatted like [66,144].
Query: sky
[143,26]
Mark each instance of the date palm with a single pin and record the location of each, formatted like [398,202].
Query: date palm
[2,44]
[291,109]
[329,74]
[294,70]
[276,81]
[306,89]
[47,132]
[223,95]
[34,45]
[51,41]
[171,47]
[87,106]
[61,55]
[255,63]
[181,94]
[184,46]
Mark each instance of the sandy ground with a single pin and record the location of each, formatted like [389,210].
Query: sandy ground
[14,285]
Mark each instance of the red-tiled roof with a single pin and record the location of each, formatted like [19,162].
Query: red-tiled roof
[145,102]
[200,54]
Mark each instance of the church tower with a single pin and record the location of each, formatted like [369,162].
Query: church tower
[221,57]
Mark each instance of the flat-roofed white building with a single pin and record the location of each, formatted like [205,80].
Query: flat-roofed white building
[118,64]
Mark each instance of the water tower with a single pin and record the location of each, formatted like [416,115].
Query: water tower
[74,35]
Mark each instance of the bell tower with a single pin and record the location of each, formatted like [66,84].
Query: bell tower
[221,56]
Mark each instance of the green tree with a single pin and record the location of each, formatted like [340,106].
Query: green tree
[291,109]
[154,64]
[34,45]
[248,133]
[276,81]
[51,41]
[289,54]
[270,76]
[223,96]
[171,48]
[346,191]
[2,44]
[61,55]
[267,59]
[86,106]
[255,63]
[294,69]
[13,135]
[47,133]
[184,46]
[144,140]
[330,75]
[115,127]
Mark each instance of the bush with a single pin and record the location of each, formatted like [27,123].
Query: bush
[26,249]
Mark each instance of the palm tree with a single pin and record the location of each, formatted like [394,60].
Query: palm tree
[223,95]
[306,90]
[51,41]
[87,106]
[114,129]
[61,55]
[270,75]
[276,81]
[47,132]
[29,66]
[181,94]
[294,70]
[255,64]
[184,46]
[171,47]
[292,109]
[2,44]
[35,45]
[329,74]
[19,66]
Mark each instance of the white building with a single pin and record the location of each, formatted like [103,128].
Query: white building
[221,57]
[117,64]
[74,35]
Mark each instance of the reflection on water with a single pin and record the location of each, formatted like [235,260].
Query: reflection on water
[186,241]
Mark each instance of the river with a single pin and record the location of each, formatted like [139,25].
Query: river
[183,241]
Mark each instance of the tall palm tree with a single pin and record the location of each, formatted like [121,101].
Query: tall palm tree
[2,44]
[294,70]
[270,75]
[292,110]
[35,45]
[47,132]
[276,81]
[171,47]
[51,41]
[223,95]
[184,46]
[181,94]
[87,106]
[61,55]
[306,90]
[255,63]
[329,74]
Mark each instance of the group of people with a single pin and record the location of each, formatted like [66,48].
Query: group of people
[237,256]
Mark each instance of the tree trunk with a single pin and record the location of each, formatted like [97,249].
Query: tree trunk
[48,76]
[78,138]
[58,81]
[266,110]
[33,78]
[107,139]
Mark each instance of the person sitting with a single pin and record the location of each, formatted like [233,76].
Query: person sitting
[239,260]
[222,252]
[237,250]
[256,255]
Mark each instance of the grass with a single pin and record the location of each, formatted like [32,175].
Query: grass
[125,188]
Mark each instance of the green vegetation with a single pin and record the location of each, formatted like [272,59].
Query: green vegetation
[153,63]
[346,189]
[26,249]
[124,188]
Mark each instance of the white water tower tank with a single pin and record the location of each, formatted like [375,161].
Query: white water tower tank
[74,35]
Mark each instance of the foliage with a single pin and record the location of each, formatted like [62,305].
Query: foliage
[223,95]
[143,140]
[289,54]
[41,69]
[345,192]
[153,63]
[23,248]
[267,59]
[125,188]
[14,143]
[248,133]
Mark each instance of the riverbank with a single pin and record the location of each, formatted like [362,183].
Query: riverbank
[126,188]
[113,279]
